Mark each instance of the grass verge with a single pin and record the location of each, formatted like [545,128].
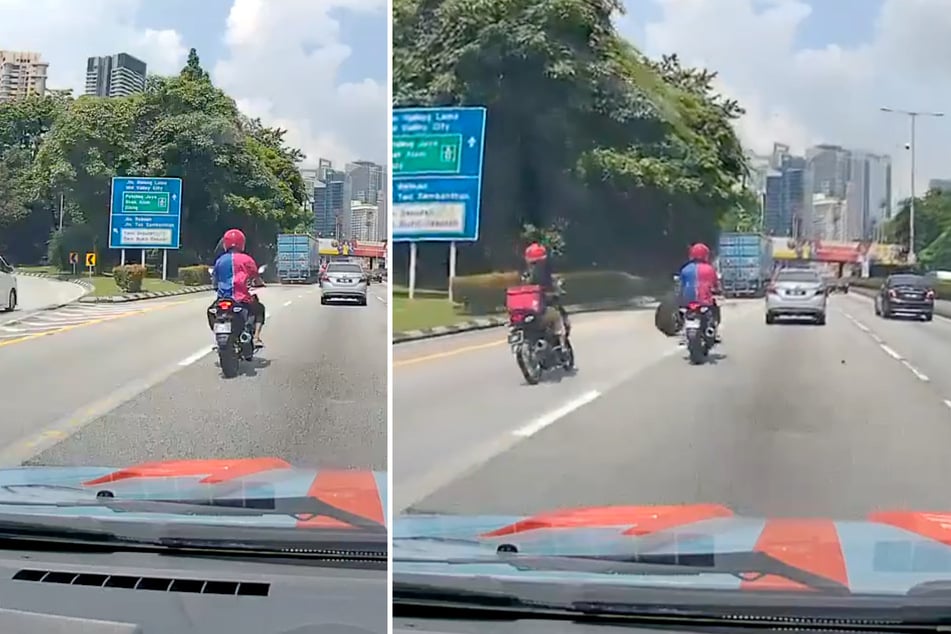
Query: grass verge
[427,309]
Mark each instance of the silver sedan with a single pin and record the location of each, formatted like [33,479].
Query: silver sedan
[797,293]
[344,280]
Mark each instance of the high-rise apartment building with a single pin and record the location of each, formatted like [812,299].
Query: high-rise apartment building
[332,205]
[118,75]
[363,221]
[829,167]
[366,181]
[22,73]
[784,203]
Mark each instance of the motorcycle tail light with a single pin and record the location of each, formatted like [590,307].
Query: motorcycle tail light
[693,306]
[225,304]
[517,318]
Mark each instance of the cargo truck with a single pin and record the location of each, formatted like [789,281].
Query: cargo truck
[744,264]
[298,258]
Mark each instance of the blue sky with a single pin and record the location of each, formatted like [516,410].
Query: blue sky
[811,71]
[317,68]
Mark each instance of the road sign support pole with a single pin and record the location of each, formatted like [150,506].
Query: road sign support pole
[412,269]
[164,264]
[452,267]
[143,257]
[122,258]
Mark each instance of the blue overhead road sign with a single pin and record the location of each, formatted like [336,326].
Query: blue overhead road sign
[437,173]
[145,213]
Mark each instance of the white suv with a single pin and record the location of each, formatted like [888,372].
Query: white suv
[8,286]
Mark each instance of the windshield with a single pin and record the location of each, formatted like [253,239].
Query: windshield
[784,416]
[344,268]
[797,276]
[151,387]
[908,280]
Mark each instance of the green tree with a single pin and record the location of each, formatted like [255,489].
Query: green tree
[636,158]
[236,172]
[932,227]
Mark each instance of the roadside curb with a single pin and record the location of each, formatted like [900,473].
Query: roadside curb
[86,285]
[135,297]
[485,323]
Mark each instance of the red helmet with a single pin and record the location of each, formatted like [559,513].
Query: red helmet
[535,252]
[700,252]
[234,239]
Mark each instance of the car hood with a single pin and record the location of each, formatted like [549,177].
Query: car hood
[887,552]
[65,490]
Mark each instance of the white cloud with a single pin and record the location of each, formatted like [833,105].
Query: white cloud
[282,64]
[66,33]
[832,94]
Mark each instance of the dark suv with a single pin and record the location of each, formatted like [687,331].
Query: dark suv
[905,294]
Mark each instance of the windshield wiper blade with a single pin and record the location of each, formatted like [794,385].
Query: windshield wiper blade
[744,565]
[300,508]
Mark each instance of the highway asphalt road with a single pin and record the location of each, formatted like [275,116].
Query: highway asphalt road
[144,385]
[36,293]
[788,420]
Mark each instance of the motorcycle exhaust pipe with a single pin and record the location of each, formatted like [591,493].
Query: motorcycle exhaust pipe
[709,332]
[540,345]
[244,338]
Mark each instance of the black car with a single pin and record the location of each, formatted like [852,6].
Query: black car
[905,294]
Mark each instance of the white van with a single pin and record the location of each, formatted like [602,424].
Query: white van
[8,286]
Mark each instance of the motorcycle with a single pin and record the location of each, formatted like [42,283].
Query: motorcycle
[699,331]
[233,326]
[533,341]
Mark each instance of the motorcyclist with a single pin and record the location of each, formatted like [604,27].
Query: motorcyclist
[233,273]
[699,281]
[538,270]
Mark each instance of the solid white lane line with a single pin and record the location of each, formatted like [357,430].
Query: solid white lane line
[554,416]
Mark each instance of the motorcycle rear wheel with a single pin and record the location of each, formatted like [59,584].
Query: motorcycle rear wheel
[697,349]
[529,363]
[228,359]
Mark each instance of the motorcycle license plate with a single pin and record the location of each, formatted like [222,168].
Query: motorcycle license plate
[692,324]
[516,338]
[223,327]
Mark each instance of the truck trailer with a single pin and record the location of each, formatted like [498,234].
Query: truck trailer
[744,263]
[298,258]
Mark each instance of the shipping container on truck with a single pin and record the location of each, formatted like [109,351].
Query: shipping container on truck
[298,258]
[744,262]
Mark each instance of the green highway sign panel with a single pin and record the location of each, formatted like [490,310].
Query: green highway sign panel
[427,154]
[139,202]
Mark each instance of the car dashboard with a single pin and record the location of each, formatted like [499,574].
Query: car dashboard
[133,593]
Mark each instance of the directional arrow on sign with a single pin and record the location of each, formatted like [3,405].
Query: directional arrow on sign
[472,141]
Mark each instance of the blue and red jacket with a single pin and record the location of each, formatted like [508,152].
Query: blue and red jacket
[232,276]
[698,281]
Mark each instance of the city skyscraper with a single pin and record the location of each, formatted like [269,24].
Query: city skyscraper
[22,73]
[118,75]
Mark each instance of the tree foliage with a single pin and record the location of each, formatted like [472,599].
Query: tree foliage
[631,158]
[235,171]
[932,228]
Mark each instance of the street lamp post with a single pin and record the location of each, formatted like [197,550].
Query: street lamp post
[913,117]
